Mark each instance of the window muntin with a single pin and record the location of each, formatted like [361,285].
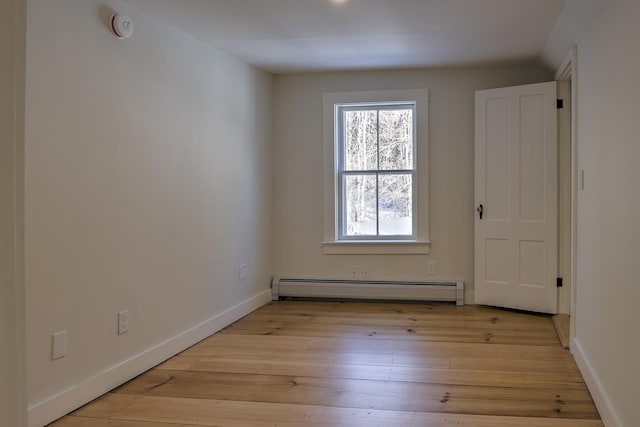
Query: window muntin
[376,173]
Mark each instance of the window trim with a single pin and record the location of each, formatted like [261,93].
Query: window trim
[419,244]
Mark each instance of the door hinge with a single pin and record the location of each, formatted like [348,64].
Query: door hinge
[560,103]
[559,282]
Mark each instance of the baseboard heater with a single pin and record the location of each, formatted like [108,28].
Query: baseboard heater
[368,289]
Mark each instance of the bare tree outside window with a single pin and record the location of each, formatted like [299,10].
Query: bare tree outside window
[377,170]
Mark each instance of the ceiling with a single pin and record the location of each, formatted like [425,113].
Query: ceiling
[318,35]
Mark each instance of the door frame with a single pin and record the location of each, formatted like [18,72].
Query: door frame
[568,72]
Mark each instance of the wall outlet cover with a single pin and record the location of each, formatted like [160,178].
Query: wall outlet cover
[123,322]
[431,267]
[243,272]
[59,345]
[354,271]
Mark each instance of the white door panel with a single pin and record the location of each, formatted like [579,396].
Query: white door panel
[496,159]
[516,184]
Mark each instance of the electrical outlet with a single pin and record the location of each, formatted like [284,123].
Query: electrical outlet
[354,271]
[243,272]
[431,267]
[123,322]
[59,342]
[366,271]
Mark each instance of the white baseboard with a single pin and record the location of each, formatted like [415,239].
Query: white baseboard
[68,400]
[600,397]
[469,297]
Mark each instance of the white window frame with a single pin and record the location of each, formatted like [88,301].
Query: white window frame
[342,172]
[334,242]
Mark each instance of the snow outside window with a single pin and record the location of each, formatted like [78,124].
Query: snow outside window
[376,171]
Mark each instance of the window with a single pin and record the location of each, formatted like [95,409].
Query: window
[376,171]
[376,159]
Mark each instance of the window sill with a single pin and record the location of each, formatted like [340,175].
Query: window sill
[376,247]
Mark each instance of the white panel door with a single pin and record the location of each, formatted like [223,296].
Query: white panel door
[516,190]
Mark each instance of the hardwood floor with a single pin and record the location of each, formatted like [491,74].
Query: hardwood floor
[360,364]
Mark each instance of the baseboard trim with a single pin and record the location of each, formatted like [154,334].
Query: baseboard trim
[561,323]
[68,400]
[600,397]
[469,297]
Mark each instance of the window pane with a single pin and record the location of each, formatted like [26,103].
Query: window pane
[396,139]
[360,214]
[361,140]
[395,205]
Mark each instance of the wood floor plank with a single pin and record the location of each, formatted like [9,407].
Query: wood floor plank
[219,343]
[442,321]
[493,358]
[550,367]
[289,366]
[74,421]
[382,309]
[108,406]
[366,394]
[360,364]
[239,413]
[416,332]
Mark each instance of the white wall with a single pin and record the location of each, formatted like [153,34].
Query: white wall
[147,185]
[298,169]
[12,38]
[608,291]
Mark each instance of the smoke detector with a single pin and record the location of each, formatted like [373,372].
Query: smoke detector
[121,26]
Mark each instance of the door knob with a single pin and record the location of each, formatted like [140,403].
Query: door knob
[480,210]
